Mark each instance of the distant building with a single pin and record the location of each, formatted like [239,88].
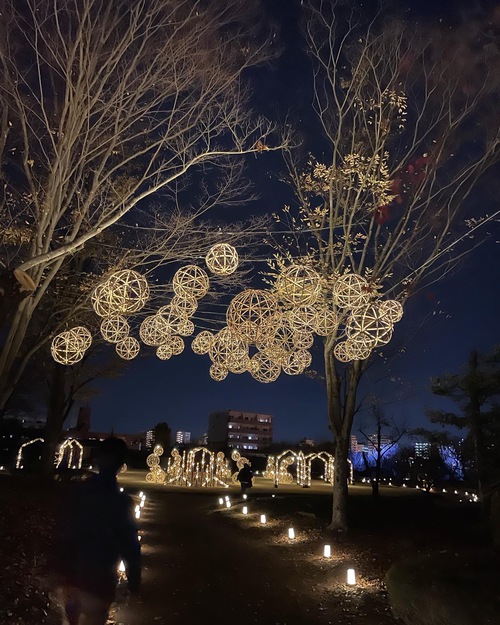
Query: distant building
[355,446]
[422,450]
[150,439]
[372,442]
[240,430]
[203,440]
[183,438]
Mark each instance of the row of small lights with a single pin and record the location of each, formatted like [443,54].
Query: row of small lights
[327,549]
[137,513]
[473,498]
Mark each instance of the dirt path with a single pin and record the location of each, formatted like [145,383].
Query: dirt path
[202,566]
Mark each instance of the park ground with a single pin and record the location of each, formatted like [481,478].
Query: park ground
[207,563]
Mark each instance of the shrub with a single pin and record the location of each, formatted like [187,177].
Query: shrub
[446,589]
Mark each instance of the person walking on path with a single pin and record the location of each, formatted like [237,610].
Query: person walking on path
[98,530]
[245,476]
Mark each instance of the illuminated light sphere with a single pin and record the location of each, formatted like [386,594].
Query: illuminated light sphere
[357,351]
[66,348]
[227,348]
[298,285]
[185,327]
[239,366]
[190,281]
[154,330]
[153,460]
[391,309]
[263,369]
[102,301]
[185,306]
[303,319]
[341,353]
[114,329]
[82,334]
[158,450]
[202,342]
[366,326]
[217,372]
[164,351]
[176,344]
[325,322]
[297,362]
[351,291]
[128,348]
[251,314]
[172,317]
[222,259]
[303,340]
[129,291]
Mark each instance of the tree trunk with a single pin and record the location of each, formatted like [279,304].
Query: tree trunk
[55,418]
[476,425]
[340,480]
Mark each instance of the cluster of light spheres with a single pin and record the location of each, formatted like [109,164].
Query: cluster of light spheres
[190,281]
[156,474]
[222,259]
[69,347]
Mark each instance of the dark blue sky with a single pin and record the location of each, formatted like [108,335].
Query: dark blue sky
[440,327]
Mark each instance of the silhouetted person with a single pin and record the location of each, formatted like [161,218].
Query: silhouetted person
[245,476]
[98,531]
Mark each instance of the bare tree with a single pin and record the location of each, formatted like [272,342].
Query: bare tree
[103,105]
[410,129]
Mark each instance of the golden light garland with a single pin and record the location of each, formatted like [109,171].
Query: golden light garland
[154,330]
[199,467]
[202,342]
[298,285]
[190,281]
[128,348]
[222,259]
[114,329]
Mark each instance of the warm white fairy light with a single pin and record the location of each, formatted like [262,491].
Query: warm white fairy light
[291,533]
[327,551]
[245,510]
[137,512]
[228,504]
[263,519]
[245,496]
[70,444]
[351,577]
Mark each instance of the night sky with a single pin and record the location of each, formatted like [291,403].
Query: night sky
[440,327]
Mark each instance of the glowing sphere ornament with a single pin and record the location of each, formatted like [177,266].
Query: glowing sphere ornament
[325,322]
[340,352]
[190,281]
[185,306]
[129,291]
[222,259]
[303,319]
[351,291]
[298,285]
[251,314]
[66,348]
[128,348]
[154,330]
[172,317]
[202,342]
[164,351]
[101,300]
[114,329]
[391,309]
[185,327]
[228,348]
[263,369]
[367,326]
[297,362]
[82,334]
[217,372]
[176,344]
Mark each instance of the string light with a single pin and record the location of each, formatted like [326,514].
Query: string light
[69,443]
[20,451]
[198,467]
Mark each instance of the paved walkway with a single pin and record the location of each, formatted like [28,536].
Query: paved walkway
[200,567]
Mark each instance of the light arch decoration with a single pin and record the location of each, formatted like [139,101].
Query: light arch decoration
[19,458]
[198,468]
[70,445]
[156,474]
